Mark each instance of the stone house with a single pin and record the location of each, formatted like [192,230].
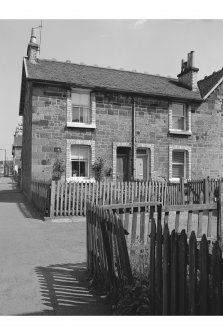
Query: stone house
[144,126]
[16,152]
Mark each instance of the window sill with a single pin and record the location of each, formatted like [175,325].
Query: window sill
[180,132]
[80,179]
[81,125]
[175,180]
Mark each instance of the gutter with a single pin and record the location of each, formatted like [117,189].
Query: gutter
[133,140]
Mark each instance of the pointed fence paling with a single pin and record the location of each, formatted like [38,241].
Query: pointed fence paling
[191,275]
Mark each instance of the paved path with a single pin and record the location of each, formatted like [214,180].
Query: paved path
[42,263]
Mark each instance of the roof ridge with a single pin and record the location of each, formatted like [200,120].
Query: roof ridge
[213,73]
[107,68]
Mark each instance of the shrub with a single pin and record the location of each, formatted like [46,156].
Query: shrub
[135,302]
[58,169]
[139,259]
[136,299]
[100,169]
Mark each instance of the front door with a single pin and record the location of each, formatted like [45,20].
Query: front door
[122,167]
[122,164]
[141,164]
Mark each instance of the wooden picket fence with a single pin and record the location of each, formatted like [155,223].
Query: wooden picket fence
[40,196]
[185,269]
[68,199]
[107,255]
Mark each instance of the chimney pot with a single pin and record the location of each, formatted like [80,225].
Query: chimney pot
[189,60]
[192,58]
[33,47]
[182,64]
[33,36]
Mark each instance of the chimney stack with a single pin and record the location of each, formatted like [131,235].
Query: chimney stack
[188,75]
[33,47]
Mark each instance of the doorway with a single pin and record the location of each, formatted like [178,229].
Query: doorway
[142,164]
[122,164]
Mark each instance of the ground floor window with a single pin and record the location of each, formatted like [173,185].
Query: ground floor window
[179,162]
[79,161]
[179,166]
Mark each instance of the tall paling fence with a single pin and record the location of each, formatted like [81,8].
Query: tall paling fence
[201,218]
[40,196]
[185,266]
[185,274]
[71,198]
[136,219]
[107,255]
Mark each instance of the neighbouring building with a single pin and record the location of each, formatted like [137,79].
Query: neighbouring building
[144,126]
[16,153]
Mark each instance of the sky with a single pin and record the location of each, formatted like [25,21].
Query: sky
[153,46]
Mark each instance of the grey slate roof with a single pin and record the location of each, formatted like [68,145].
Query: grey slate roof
[106,78]
[205,85]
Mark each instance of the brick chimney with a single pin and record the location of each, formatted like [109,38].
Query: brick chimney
[33,47]
[188,75]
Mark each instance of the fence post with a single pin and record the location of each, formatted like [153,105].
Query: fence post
[220,212]
[182,190]
[52,198]
[206,191]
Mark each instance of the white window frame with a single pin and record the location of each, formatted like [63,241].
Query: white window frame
[187,151]
[91,145]
[187,119]
[88,160]
[92,110]
[184,164]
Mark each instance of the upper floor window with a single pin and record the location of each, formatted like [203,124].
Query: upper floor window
[180,118]
[80,107]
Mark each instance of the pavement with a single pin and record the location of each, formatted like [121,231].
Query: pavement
[42,263]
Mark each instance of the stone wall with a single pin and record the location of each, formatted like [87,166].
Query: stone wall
[207,130]
[27,141]
[49,130]
[114,124]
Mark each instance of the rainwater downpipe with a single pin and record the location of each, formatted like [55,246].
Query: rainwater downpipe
[133,139]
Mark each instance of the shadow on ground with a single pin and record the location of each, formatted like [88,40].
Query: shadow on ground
[17,197]
[65,291]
